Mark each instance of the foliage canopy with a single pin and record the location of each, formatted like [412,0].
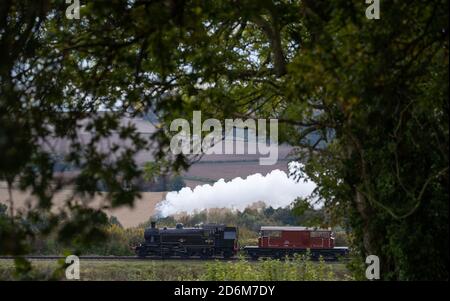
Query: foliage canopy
[375,92]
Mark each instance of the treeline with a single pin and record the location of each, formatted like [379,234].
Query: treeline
[252,217]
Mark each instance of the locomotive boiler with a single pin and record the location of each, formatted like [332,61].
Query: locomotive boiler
[205,241]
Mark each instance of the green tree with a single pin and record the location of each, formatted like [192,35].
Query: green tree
[44,95]
[177,183]
[365,101]
[377,93]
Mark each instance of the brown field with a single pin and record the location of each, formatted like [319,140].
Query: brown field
[128,217]
[214,167]
[214,171]
[210,169]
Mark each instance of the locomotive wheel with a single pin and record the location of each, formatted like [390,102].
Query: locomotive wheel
[227,254]
[142,253]
[185,254]
[277,255]
[205,254]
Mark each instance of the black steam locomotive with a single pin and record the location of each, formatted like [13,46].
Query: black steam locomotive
[205,241]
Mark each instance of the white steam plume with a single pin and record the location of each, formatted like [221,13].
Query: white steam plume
[275,189]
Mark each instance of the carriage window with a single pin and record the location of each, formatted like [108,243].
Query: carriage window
[274,234]
[320,234]
[229,235]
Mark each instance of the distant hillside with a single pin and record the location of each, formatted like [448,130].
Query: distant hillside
[209,168]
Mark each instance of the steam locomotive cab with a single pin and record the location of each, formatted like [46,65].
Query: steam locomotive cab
[205,241]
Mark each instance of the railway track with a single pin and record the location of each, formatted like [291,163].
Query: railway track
[136,258]
[95,257]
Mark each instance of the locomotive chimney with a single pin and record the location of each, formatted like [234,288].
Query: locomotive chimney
[153,225]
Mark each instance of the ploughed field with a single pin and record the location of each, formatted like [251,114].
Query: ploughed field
[128,217]
[163,270]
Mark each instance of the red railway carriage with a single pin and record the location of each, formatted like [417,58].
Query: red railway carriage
[278,242]
[295,237]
